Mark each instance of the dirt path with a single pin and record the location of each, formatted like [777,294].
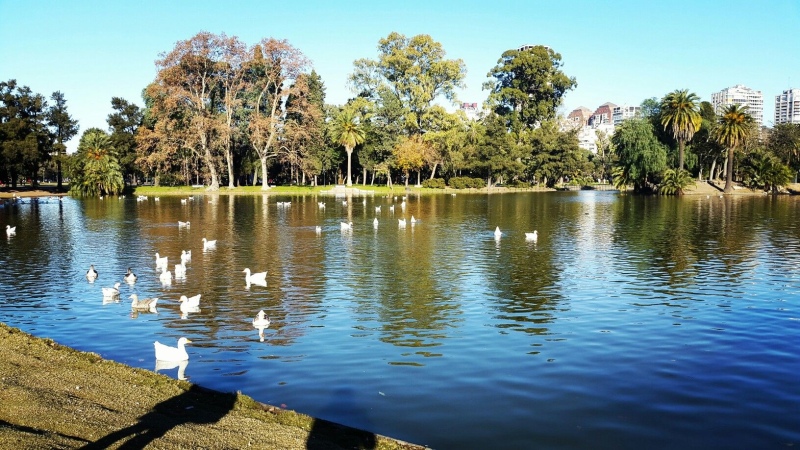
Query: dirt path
[54,397]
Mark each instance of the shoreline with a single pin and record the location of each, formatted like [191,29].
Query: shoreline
[53,396]
[699,188]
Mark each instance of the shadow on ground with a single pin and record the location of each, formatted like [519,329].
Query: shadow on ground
[167,415]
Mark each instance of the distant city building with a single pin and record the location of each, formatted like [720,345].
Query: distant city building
[530,46]
[603,115]
[740,95]
[787,107]
[579,117]
[621,113]
[471,110]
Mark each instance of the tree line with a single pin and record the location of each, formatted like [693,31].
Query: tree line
[221,112]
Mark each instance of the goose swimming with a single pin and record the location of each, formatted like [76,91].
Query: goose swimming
[318,229]
[143,304]
[193,301]
[166,276]
[11,231]
[184,224]
[129,277]
[255,278]
[161,262]
[401,222]
[346,226]
[497,233]
[375,222]
[186,256]
[208,245]
[167,353]
[180,270]
[532,236]
[91,274]
[111,291]
[260,322]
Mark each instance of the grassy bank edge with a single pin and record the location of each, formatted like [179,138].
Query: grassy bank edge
[65,362]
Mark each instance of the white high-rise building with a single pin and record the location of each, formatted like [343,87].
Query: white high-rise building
[740,95]
[624,112]
[787,107]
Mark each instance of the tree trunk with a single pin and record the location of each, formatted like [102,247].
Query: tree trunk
[255,175]
[419,177]
[433,172]
[681,145]
[212,170]
[264,180]
[58,175]
[407,178]
[229,161]
[729,173]
[349,155]
[711,172]
[365,176]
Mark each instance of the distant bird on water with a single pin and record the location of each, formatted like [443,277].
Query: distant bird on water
[130,277]
[144,304]
[91,274]
[11,231]
[532,236]
[497,233]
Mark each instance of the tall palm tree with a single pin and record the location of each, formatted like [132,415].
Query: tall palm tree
[680,111]
[99,170]
[347,131]
[734,127]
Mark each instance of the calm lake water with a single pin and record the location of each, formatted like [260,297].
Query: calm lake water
[632,323]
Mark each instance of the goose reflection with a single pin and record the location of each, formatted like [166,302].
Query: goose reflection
[169,365]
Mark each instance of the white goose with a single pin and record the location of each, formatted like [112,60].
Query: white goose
[143,304]
[186,256]
[166,276]
[255,278]
[260,322]
[129,277]
[11,231]
[180,270]
[193,301]
[378,209]
[111,291]
[209,245]
[161,262]
[413,220]
[346,226]
[91,274]
[167,353]
[375,223]
[318,229]
[321,205]
[401,222]
[186,224]
[532,236]
[497,233]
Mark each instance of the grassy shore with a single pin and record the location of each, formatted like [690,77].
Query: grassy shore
[52,396]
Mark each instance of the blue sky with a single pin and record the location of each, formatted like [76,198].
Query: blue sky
[619,51]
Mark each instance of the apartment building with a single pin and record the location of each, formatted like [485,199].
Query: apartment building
[621,113]
[787,107]
[740,95]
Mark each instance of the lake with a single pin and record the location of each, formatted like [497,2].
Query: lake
[632,322]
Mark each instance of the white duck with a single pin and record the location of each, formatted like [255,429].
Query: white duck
[413,220]
[11,231]
[260,322]
[375,222]
[318,229]
[111,291]
[91,274]
[346,226]
[401,222]
[378,209]
[186,256]
[161,262]
[321,205]
[255,278]
[208,245]
[167,353]
[129,277]
[532,236]
[497,233]
[143,304]
[184,224]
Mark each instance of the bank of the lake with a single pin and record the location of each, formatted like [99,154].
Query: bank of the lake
[52,396]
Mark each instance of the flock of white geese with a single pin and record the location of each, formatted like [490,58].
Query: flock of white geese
[192,304]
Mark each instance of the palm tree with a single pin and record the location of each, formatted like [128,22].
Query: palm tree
[347,131]
[734,126]
[98,170]
[680,111]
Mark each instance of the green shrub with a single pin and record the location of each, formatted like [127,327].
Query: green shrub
[520,184]
[466,183]
[434,183]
